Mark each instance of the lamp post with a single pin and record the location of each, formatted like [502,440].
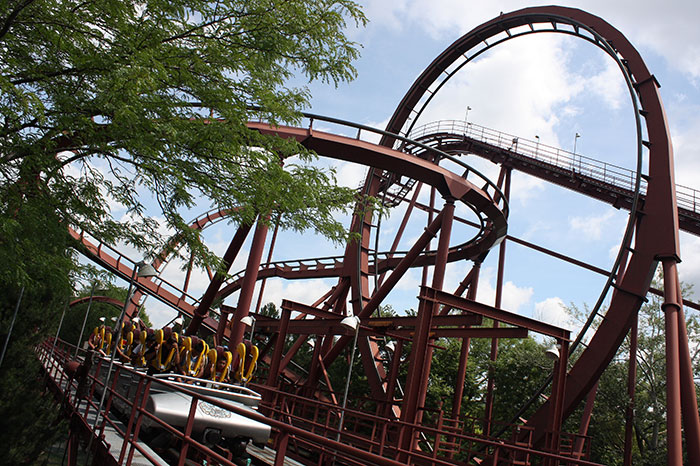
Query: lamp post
[142,270]
[466,114]
[249,321]
[348,323]
[12,324]
[82,329]
[537,145]
[574,158]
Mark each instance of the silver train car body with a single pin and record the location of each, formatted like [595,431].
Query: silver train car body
[211,422]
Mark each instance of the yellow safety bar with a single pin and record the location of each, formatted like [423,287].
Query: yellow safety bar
[213,357]
[242,374]
[158,361]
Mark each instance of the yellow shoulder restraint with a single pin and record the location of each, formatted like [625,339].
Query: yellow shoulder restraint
[242,374]
[139,357]
[158,360]
[212,357]
[101,337]
[155,362]
[185,353]
[200,359]
[107,341]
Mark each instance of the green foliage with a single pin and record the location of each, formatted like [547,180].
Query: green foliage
[155,96]
[103,101]
[270,310]
[608,421]
[27,415]
[520,369]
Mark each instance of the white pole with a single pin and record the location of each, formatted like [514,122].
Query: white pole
[82,329]
[12,324]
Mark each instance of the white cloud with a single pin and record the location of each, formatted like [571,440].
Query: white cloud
[591,228]
[525,188]
[514,297]
[672,33]
[351,174]
[608,84]
[302,291]
[689,268]
[553,311]
[528,81]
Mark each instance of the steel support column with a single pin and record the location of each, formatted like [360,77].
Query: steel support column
[557,399]
[464,351]
[421,352]
[274,372]
[388,285]
[208,298]
[419,348]
[488,409]
[248,286]
[689,402]
[404,222]
[431,210]
[671,310]
[392,379]
[448,212]
[273,241]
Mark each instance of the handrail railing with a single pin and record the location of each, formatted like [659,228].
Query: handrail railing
[611,174]
[55,355]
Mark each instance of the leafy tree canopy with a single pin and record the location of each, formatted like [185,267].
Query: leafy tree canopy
[105,100]
[154,96]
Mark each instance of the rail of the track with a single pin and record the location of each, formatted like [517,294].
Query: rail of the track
[492,210]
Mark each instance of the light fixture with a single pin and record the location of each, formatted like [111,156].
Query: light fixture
[179,320]
[102,319]
[391,346]
[135,320]
[552,353]
[145,270]
[311,343]
[350,323]
[249,321]
[113,318]
[141,270]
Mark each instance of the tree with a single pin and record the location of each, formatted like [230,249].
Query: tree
[102,102]
[156,95]
[608,421]
[27,416]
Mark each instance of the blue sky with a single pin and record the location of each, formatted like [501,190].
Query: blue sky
[549,85]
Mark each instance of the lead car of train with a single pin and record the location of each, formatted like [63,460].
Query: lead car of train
[169,402]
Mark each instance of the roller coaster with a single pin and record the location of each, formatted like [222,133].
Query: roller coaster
[309,424]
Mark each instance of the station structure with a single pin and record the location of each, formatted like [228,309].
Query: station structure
[310,422]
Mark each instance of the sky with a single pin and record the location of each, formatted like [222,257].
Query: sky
[547,85]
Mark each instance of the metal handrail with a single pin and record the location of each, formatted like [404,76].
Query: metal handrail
[608,173]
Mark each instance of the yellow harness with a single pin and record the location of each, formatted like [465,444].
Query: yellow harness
[186,353]
[212,357]
[138,358]
[242,374]
[158,361]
